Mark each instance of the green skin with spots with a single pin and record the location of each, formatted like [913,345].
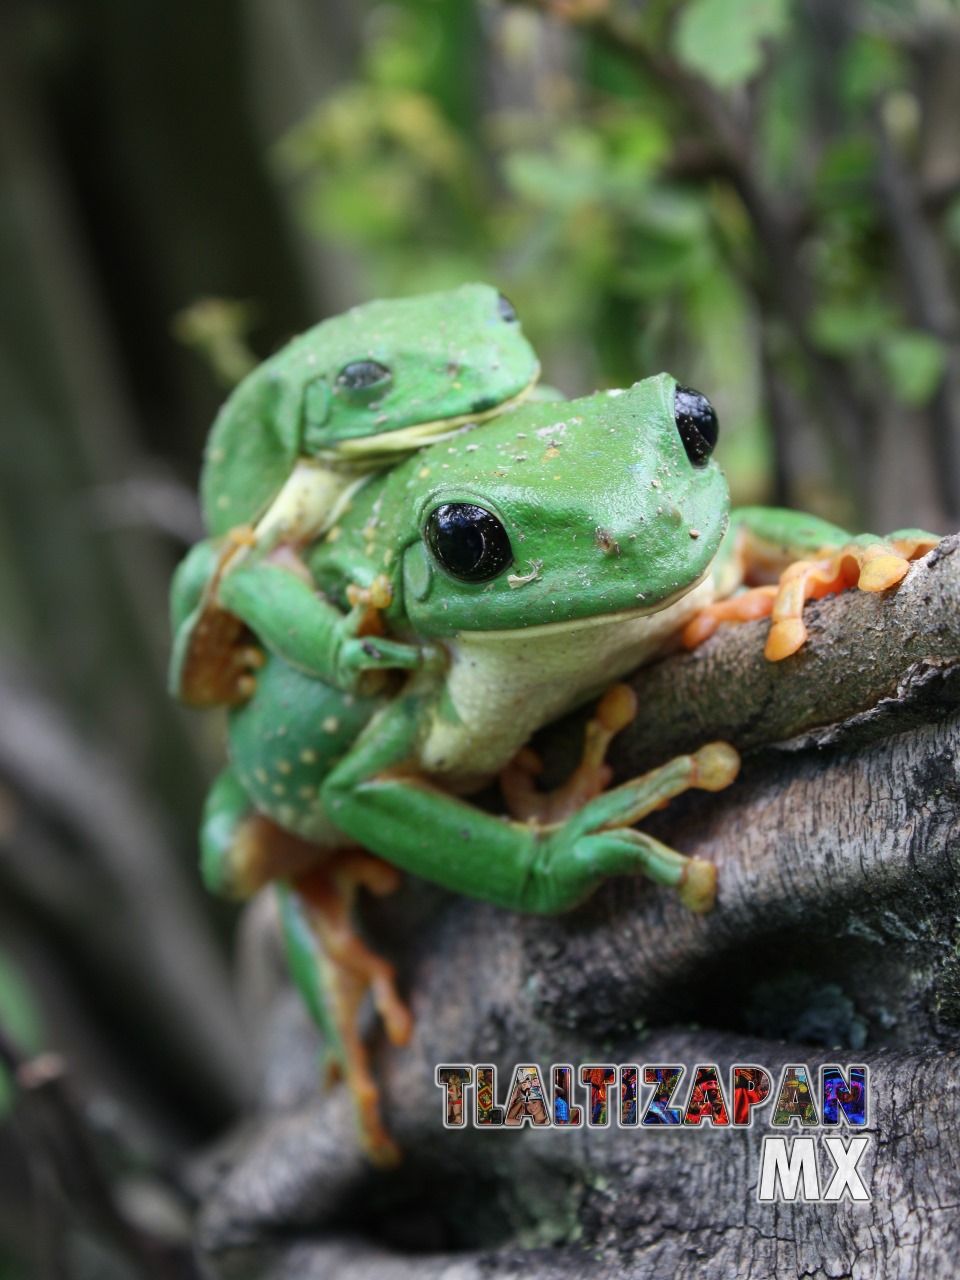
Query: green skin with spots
[554,475]
[617,539]
[452,356]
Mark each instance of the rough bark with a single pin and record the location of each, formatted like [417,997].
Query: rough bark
[833,940]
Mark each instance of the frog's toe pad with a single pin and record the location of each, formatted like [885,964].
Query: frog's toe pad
[616,709]
[717,764]
[882,572]
[698,888]
[786,637]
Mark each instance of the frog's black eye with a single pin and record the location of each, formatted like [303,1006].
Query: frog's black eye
[363,376]
[696,421]
[468,542]
[506,309]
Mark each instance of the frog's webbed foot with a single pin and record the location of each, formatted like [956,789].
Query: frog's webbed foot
[616,709]
[613,846]
[218,662]
[866,563]
[346,969]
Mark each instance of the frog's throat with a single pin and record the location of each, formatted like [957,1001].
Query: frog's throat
[378,451]
[502,686]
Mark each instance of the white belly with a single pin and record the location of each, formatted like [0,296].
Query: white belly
[502,686]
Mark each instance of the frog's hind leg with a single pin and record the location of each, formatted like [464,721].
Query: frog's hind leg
[866,563]
[618,845]
[612,844]
[335,969]
[616,709]
[242,850]
[214,658]
[788,550]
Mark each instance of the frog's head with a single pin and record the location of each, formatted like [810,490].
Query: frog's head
[362,389]
[553,513]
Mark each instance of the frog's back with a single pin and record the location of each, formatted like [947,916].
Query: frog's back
[354,380]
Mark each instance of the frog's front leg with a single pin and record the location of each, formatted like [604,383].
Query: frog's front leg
[278,601]
[222,595]
[374,796]
[806,558]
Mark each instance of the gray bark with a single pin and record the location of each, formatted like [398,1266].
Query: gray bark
[833,940]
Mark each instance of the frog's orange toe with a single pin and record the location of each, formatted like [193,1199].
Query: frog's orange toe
[785,638]
[882,572]
[699,629]
[617,708]
[698,888]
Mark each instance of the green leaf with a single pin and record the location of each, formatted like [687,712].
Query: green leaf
[871,66]
[914,363]
[722,40]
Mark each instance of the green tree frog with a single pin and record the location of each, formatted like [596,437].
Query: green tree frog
[305,430]
[532,561]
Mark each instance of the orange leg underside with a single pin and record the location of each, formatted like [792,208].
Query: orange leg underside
[349,969]
[871,568]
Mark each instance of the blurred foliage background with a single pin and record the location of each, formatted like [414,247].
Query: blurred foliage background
[762,196]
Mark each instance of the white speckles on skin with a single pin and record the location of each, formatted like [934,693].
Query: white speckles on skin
[615,391]
[223,502]
[261,776]
[284,766]
[216,455]
[279,789]
[305,793]
[472,448]
[308,756]
[423,473]
[331,724]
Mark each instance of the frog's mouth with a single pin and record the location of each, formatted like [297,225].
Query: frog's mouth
[378,451]
[548,630]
